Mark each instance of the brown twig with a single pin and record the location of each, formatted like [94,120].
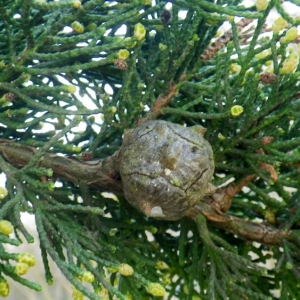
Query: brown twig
[248,230]
[267,167]
[214,209]
[101,174]
[222,197]
[161,101]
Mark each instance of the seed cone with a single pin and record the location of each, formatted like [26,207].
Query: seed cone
[165,168]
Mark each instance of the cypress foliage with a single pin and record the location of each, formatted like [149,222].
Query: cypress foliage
[75,74]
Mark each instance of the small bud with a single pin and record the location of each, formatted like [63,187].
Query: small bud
[153,230]
[279,25]
[139,31]
[76,4]
[261,5]
[6,227]
[141,87]
[4,288]
[77,27]
[27,258]
[112,109]
[77,295]
[50,281]
[156,289]
[88,277]
[195,38]
[290,64]
[291,34]
[221,137]
[101,31]
[280,130]
[167,280]
[91,27]
[236,110]
[51,186]
[71,89]
[235,68]
[125,270]
[3,192]
[270,216]
[21,268]
[162,47]
[123,54]
[161,265]
[263,54]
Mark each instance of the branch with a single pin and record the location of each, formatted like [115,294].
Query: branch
[101,174]
[104,175]
[161,102]
[250,231]
[214,208]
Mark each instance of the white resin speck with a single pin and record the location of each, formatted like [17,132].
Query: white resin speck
[156,211]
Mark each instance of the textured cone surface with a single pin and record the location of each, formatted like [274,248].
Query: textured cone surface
[165,168]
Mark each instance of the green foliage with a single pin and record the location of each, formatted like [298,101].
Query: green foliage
[65,89]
